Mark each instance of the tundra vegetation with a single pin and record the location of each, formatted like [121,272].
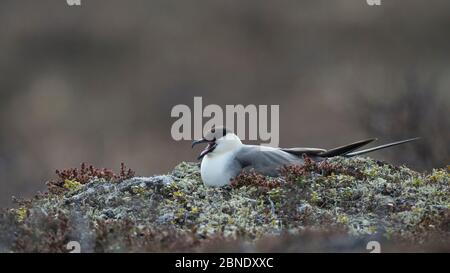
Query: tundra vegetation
[339,204]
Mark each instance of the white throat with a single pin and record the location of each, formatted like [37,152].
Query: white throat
[216,166]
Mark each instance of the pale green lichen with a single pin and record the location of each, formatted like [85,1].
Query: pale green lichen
[21,213]
[363,205]
[342,219]
[358,195]
[72,185]
[438,175]
[212,211]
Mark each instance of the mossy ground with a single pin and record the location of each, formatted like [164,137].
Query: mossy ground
[337,205]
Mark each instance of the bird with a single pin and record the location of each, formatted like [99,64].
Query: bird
[226,156]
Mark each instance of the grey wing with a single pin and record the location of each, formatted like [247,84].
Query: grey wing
[265,160]
[302,151]
[322,153]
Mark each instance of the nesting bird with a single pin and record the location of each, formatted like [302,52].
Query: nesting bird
[226,156]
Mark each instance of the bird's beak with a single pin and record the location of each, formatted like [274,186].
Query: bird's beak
[211,146]
[198,141]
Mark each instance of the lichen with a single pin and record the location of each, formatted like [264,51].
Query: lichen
[71,184]
[21,213]
[358,197]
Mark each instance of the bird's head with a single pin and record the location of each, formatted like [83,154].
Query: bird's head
[220,140]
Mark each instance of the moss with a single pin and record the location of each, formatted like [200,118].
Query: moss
[71,185]
[21,213]
[276,194]
[357,196]
[314,198]
[342,219]
[194,210]
[138,190]
[417,182]
[178,194]
[372,171]
[438,175]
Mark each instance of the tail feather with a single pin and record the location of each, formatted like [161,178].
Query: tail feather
[380,147]
[343,150]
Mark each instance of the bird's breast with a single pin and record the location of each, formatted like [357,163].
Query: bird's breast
[217,170]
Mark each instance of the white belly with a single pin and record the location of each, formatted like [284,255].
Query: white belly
[215,169]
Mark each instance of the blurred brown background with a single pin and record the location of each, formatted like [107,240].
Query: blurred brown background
[96,83]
